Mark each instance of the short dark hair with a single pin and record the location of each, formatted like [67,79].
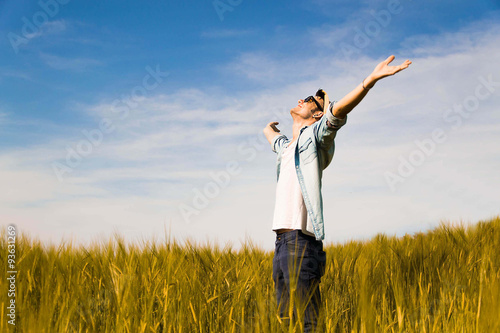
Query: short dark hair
[321,93]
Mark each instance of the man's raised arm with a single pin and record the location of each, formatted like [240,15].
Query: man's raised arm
[349,101]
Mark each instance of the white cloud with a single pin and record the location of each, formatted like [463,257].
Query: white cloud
[330,35]
[225,33]
[3,118]
[7,74]
[73,64]
[49,28]
[166,148]
[471,37]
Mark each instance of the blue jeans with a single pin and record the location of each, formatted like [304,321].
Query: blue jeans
[299,264]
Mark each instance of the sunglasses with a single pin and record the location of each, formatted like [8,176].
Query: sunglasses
[311,98]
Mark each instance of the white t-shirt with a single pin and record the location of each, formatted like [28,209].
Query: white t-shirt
[290,210]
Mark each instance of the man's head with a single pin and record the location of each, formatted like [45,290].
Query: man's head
[310,109]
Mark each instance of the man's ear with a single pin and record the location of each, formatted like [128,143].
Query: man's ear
[318,115]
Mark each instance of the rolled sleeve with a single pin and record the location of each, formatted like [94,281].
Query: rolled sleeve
[326,128]
[332,121]
[277,143]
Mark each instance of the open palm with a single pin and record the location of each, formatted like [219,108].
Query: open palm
[383,69]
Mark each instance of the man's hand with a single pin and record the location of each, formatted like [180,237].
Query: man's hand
[349,101]
[273,127]
[271,131]
[383,70]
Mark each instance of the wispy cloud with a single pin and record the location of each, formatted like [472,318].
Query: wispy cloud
[167,147]
[8,73]
[330,35]
[226,33]
[271,70]
[468,39]
[49,28]
[72,64]
[3,118]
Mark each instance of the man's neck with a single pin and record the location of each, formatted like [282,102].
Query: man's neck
[297,125]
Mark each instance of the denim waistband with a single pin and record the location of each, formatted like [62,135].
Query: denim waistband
[294,234]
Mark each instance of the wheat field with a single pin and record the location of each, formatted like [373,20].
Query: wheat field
[443,280]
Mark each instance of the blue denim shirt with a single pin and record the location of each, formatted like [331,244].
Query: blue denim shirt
[314,152]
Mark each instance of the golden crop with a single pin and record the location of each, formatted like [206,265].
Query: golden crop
[444,280]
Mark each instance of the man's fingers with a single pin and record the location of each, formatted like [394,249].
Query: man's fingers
[383,69]
[273,126]
[404,65]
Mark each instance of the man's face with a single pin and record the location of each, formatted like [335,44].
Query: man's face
[308,110]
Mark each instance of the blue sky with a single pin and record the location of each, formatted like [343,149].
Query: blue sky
[230,71]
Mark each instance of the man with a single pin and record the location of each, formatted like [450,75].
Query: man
[299,259]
